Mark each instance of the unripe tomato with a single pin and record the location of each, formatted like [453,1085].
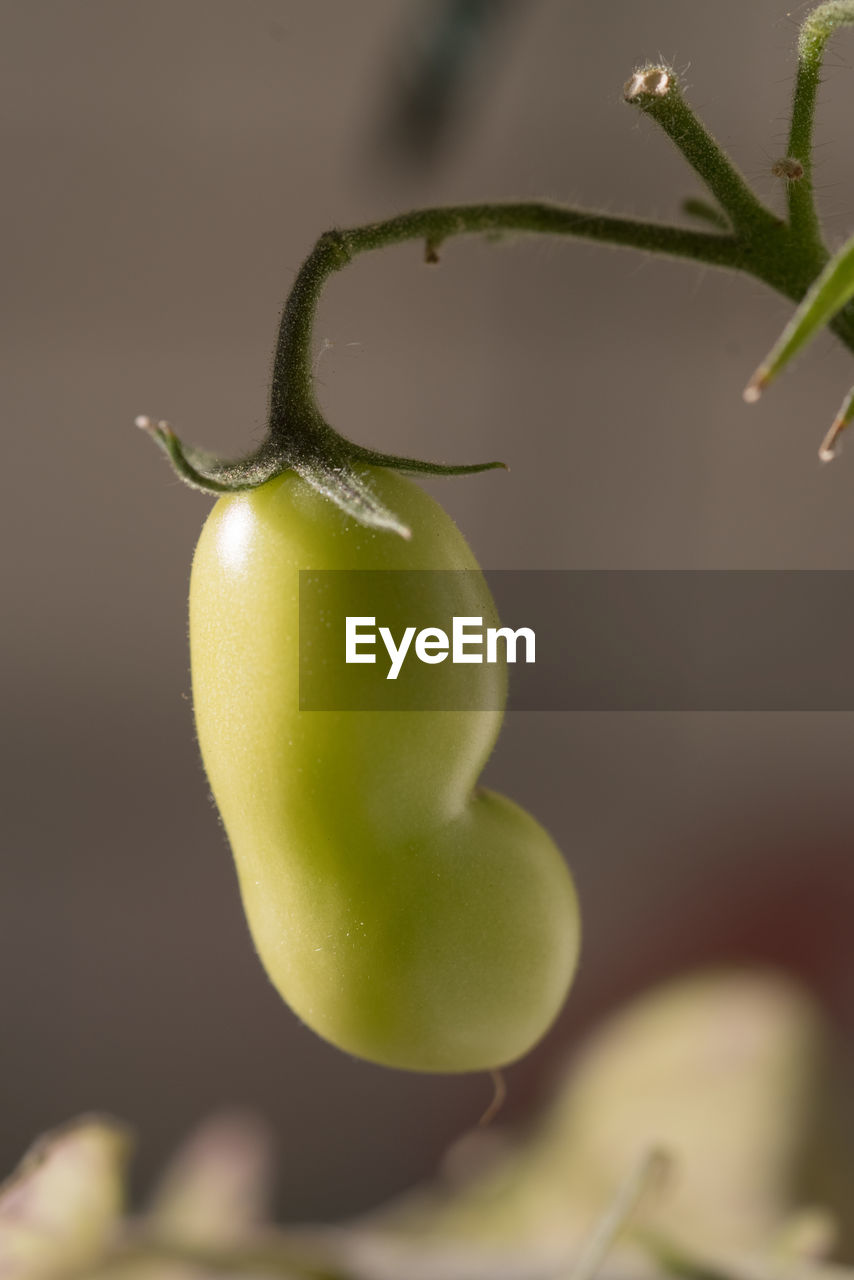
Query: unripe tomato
[404,915]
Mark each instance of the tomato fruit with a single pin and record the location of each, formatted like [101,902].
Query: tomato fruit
[405,916]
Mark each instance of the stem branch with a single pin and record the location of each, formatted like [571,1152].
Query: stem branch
[744,235]
[655,90]
[815,33]
[292,393]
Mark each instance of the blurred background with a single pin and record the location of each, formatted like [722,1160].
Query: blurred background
[166,168]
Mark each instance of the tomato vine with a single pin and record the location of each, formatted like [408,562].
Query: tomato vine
[788,254]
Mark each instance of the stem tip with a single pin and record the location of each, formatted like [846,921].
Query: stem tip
[755,387]
[830,446]
[652,82]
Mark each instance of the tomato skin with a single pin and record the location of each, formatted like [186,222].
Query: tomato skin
[403,916]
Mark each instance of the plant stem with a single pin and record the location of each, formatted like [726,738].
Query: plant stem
[655,90]
[815,33]
[786,255]
[705,211]
[292,393]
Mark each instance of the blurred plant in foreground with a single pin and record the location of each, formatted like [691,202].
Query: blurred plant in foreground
[695,1134]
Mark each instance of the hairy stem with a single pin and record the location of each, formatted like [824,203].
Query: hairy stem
[815,33]
[655,90]
[291,391]
[743,235]
[705,211]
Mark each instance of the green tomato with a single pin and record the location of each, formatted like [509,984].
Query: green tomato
[405,916]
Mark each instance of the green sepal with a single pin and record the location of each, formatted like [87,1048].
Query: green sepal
[332,465]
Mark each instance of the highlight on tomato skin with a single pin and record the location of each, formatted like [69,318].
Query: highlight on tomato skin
[405,916]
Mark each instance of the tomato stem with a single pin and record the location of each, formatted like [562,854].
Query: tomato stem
[818,27]
[743,235]
[655,90]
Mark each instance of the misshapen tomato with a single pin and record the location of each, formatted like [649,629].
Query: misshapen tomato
[405,916]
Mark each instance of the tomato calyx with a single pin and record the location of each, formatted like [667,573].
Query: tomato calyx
[334,466]
[298,437]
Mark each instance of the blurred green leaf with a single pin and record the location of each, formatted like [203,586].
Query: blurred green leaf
[720,1069]
[831,291]
[217,1185]
[725,1072]
[61,1206]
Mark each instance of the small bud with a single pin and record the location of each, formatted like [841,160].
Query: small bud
[652,82]
[789,168]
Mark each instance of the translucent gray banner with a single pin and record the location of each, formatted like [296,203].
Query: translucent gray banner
[603,640]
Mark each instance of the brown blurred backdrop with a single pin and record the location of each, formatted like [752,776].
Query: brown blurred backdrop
[166,165]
